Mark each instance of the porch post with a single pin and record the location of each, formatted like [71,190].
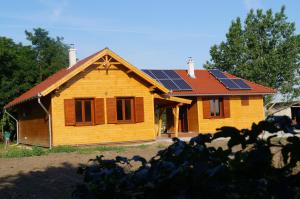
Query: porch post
[176,119]
[162,109]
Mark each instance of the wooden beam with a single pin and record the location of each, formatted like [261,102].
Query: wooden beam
[100,63]
[176,119]
[173,99]
[151,88]
[129,71]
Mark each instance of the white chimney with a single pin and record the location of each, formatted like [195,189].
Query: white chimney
[191,70]
[72,56]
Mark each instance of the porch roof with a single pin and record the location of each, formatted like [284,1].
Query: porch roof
[172,99]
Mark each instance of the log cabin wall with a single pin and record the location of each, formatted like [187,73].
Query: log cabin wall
[99,83]
[33,123]
[239,115]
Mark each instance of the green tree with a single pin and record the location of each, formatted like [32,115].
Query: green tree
[265,49]
[51,53]
[17,71]
[22,67]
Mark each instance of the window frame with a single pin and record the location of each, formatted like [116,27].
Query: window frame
[220,105]
[132,110]
[85,123]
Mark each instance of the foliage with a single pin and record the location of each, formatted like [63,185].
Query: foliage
[51,54]
[24,152]
[18,72]
[265,50]
[197,170]
[24,66]
[7,123]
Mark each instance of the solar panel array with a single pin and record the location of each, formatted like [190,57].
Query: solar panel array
[169,78]
[230,83]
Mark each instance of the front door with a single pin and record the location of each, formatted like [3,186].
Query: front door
[183,121]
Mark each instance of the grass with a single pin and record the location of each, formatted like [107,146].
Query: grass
[22,151]
[14,151]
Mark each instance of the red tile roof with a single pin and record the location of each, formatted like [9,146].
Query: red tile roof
[207,84]
[34,92]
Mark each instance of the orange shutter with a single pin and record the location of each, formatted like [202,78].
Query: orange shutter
[245,100]
[139,109]
[206,107]
[111,110]
[69,112]
[226,102]
[99,111]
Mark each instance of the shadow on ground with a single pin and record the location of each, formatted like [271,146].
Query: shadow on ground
[54,182]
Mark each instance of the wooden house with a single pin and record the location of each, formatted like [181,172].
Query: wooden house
[105,99]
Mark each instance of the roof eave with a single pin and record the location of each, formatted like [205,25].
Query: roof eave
[219,94]
[7,106]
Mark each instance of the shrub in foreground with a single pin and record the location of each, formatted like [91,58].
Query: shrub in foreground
[196,170]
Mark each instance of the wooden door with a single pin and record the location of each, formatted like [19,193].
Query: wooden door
[183,121]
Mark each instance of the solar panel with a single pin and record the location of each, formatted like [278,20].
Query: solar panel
[182,84]
[241,83]
[228,83]
[169,84]
[169,78]
[217,73]
[159,74]
[172,74]
[149,73]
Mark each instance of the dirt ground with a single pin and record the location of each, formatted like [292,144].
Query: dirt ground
[53,175]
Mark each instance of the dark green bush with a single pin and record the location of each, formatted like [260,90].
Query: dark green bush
[196,170]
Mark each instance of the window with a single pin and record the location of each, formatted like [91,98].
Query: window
[84,111]
[245,100]
[216,107]
[125,110]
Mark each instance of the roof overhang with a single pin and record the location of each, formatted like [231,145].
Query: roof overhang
[172,99]
[218,94]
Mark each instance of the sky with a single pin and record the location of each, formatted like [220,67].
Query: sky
[153,34]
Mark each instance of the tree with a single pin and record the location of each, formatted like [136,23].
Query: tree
[265,50]
[51,53]
[17,71]
[22,67]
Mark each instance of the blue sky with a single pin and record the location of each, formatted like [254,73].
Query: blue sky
[148,34]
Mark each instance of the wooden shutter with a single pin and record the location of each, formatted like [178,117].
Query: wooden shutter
[245,100]
[139,109]
[99,111]
[226,102]
[111,110]
[69,112]
[206,108]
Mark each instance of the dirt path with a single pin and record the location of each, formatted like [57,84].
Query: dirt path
[53,175]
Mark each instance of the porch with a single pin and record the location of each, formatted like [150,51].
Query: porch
[171,118]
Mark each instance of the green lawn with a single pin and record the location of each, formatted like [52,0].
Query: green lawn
[22,151]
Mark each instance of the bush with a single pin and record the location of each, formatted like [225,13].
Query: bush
[244,169]
[38,151]
[16,152]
